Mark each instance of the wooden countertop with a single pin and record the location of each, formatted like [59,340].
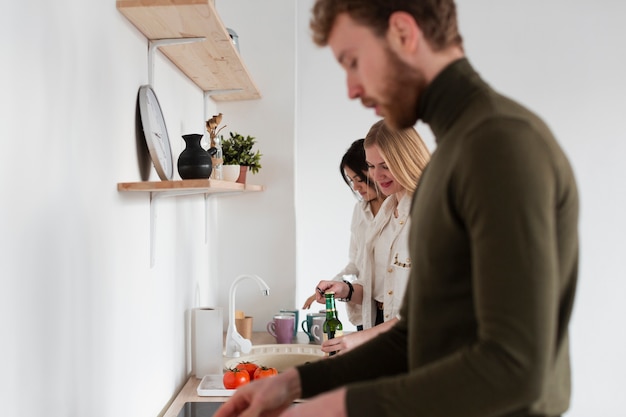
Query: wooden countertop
[189,391]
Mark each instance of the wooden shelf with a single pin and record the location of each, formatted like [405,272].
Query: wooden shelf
[187,187]
[213,64]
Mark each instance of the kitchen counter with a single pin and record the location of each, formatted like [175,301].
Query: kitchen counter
[189,391]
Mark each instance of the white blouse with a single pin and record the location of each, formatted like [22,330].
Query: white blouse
[362,219]
[386,269]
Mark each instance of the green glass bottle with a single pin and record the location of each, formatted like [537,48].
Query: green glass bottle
[332,326]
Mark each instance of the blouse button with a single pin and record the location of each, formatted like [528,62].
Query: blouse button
[390,292]
[390,269]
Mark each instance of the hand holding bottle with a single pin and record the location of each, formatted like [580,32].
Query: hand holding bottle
[349,341]
[339,288]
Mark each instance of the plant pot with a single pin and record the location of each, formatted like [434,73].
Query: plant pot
[243,171]
[230,172]
[194,162]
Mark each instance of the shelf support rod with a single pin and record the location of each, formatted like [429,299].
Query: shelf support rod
[154,197]
[153,45]
[209,93]
[158,195]
[206,217]
[208,212]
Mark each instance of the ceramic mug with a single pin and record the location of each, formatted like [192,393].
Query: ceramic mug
[296,314]
[317,329]
[281,327]
[244,327]
[308,323]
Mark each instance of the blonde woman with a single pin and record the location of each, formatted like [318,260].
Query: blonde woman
[395,160]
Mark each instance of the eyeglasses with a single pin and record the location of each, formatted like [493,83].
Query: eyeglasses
[352,183]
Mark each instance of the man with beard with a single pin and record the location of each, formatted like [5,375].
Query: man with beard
[494,238]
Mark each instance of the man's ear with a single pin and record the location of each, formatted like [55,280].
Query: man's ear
[403,34]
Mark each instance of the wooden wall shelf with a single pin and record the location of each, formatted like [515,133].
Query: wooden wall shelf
[188,187]
[214,64]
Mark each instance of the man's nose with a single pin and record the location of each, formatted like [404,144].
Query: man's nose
[354,87]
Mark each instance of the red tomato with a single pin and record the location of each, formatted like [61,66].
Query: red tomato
[264,372]
[248,367]
[234,378]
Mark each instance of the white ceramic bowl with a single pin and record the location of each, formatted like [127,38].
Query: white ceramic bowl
[279,356]
[230,172]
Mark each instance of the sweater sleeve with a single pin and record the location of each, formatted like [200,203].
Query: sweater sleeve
[357,365]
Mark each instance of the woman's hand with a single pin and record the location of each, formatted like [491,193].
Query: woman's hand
[344,343]
[349,341]
[308,302]
[340,289]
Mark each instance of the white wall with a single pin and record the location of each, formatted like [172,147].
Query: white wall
[565,60]
[88,328]
[258,234]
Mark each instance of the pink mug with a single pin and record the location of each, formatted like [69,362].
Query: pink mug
[281,327]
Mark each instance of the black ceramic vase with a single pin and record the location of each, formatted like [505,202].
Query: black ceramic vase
[194,162]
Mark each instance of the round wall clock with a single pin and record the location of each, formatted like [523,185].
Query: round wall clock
[155,131]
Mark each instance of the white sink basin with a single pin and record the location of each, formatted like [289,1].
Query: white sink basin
[279,356]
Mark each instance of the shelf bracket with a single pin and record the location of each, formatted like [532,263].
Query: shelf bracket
[206,217]
[153,45]
[209,93]
[208,212]
[155,196]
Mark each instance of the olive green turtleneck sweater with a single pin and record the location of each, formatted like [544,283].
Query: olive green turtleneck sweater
[494,247]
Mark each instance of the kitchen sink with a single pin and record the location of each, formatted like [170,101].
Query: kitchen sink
[279,356]
[199,409]
[202,409]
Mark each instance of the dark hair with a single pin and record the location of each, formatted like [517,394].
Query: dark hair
[354,158]
[436,18]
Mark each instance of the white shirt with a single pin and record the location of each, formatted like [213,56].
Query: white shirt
[388,264]
[362,219]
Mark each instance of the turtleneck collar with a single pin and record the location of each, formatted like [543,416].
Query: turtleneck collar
[447,95]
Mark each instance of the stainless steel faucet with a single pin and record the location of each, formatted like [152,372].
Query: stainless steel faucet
[236,344]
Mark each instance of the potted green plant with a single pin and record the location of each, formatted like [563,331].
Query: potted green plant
[237,150]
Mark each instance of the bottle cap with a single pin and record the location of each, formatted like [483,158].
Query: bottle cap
[330,292]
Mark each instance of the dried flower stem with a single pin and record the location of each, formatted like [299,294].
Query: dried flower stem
[212,127]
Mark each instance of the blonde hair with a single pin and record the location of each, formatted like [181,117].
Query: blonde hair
[404,152]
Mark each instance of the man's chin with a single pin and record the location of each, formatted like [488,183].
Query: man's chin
[399,123]
[395,116]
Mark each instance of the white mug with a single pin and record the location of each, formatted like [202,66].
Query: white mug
[317,329]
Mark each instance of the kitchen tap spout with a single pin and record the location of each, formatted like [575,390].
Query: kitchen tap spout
[236,344]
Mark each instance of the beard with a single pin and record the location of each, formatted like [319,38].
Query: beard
[401,93]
